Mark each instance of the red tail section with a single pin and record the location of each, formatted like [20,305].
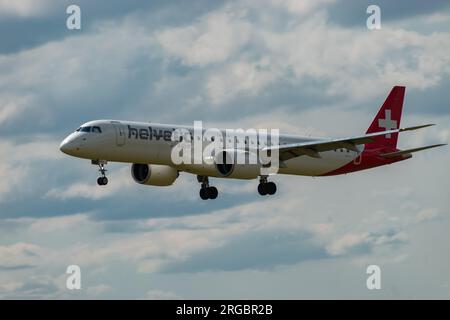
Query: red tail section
[388,118]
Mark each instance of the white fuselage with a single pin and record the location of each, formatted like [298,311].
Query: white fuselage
[151,143]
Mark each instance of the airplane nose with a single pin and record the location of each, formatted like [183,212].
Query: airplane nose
[68,146]
[65,147]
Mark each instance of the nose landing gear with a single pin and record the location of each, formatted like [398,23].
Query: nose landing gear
[207,191]
[266,188]
[103,180]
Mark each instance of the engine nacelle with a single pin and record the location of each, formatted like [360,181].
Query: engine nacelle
[227,166]
[153,174]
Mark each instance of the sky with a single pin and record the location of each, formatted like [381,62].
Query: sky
[305,67]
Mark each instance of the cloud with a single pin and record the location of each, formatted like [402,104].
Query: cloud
[25,8]
[251,77]
[37,287]
[213,39]
[55,95]
[19,255]
[10,179]
[416,60]
[364,242]
[273,54]
[18,165]
[98,290]
[254,250]
[92,191]
[428,214]
[53,224]
[12,107]
[301,7]
[438,17]
[35,25]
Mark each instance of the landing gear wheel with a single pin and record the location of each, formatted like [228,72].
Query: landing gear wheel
[262,190]
[102,181]
[212,192]
[271,188]
[266,187]
[204,194]
[207,192]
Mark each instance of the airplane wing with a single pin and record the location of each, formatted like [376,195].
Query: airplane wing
[312,148]
[408,151]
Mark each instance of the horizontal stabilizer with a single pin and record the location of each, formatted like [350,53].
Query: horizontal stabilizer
[416,127]
[402,152]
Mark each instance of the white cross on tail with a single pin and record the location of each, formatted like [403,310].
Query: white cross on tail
[387,123]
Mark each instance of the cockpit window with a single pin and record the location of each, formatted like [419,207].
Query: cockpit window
[95,129]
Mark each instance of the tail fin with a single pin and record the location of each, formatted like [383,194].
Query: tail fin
[387,118]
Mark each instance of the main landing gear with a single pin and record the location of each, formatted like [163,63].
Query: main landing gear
[265,187]
[103,180]
[207,192]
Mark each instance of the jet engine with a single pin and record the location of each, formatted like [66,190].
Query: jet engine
[153,174]
[227,166]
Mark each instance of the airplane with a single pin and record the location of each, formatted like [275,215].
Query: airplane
[148,147]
